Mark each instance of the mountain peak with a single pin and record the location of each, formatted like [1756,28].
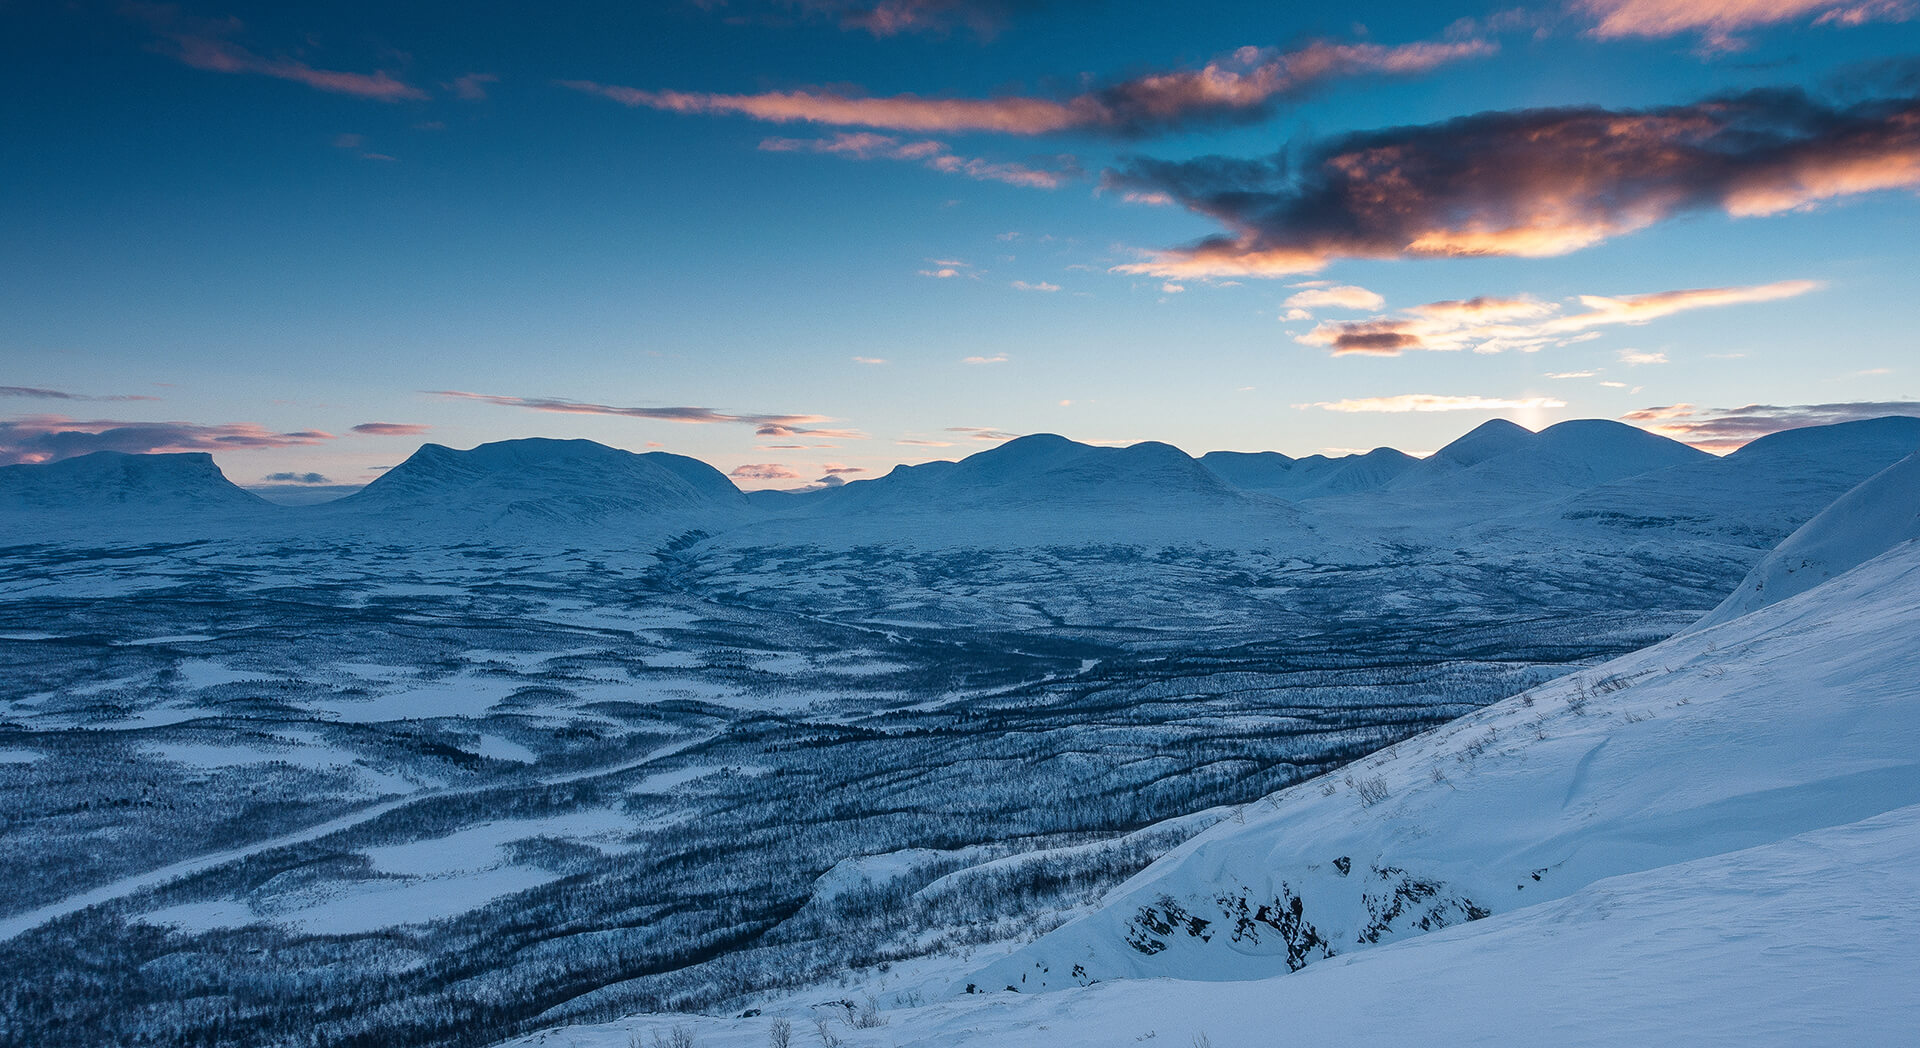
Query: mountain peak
[1493,437]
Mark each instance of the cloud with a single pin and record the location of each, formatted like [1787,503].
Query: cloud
[391,429]
[49,438]
[1529,183]
[1021,285]
[943,273]
[1634,358]
[295,478]
[871,361]
[865,145]
[910,442]
[1724,429]
[205,44]
[834,469]
[763,471]
[1345,296]
[1239,87]
[1487,324]
[887,18]
[975,433]
[1717,21]
[997,358]
[1406,402]
[763,425]
[1571,374]
[37,393]
[473,86]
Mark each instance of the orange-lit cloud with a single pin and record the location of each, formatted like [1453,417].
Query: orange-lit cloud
[1717,22]
[48,438]
[1528,182]
[1409,402]
[205,44]
[1345,296]
[865,145]
[1721,430]
[1240,86]
[763,425]
[1494,325]
[763,471]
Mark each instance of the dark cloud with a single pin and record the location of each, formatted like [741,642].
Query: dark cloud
[884,18]
[295,478]
[763,425]
[37,393]
[1724,429]
[391,429]
[47,438]
[1533,182]
[971,433]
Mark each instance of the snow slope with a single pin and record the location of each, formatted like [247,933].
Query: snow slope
[1803,941]
[1882,512]
[1801,716]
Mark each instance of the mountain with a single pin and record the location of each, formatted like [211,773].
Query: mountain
[131,487]
[536,486]
[1752,498]
[1044,473]
[1251,470]
[1504,458]
[1864,523]
[1270,472]
[1798,718]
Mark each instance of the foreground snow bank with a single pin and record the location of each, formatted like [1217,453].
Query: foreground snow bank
[1803,715]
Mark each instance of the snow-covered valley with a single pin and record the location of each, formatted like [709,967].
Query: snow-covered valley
[543,735]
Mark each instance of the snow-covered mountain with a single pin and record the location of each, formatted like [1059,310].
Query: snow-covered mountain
[1502,457]
[1043,473]
[133,486]
[1754,497]
[1882,512]
[1801,716]
[537,488]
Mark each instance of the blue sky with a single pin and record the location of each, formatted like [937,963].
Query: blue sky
[725,229]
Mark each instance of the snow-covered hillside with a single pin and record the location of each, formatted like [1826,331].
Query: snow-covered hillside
[1864,523]
[1801,716]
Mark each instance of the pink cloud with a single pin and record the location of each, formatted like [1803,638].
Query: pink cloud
[1718,21]
[204,44]
[1240,86]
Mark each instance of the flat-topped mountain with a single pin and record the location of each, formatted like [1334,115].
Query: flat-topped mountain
[538,483]
[113,481]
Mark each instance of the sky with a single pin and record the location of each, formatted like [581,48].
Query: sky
[806,240]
